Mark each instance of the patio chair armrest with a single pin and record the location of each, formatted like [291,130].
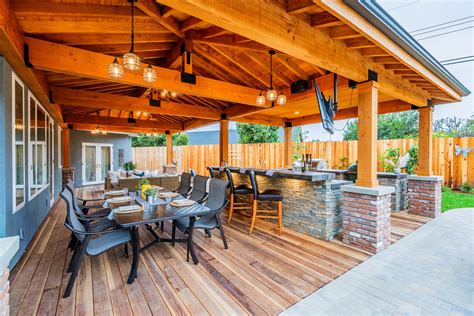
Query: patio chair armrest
[94,207]
[90,200]
[221,208]
[90,218]
[100,232]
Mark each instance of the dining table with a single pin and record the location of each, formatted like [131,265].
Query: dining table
[157,211]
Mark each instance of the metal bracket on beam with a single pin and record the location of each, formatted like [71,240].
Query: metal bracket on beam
[154,102]
[188,78]
[224,116]
[167,132]
[288,124]
[372,76]
[26,56]
[50,96]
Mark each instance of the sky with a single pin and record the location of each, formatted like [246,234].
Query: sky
[414,15]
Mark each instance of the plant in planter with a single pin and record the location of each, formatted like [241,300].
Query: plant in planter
[398,163]
[142,182]
[150,192]
[129,167]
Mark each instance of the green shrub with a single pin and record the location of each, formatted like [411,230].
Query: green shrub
[392,154]
[129,166]
[413,160]
[446,189]
[466,187]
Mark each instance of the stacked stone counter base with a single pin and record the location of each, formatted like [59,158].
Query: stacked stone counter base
[366,217]
[424,195]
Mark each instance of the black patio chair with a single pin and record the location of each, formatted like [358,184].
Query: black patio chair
[241,189]
[86,245]
[216,201]
[185,184]
[199,191]
[80,204]
[212,172]
[269,196]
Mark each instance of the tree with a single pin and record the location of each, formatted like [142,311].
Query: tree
[454,127]
[143,140]
[256,133]
[389,126]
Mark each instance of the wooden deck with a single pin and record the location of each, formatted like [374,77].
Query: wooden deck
[259,274]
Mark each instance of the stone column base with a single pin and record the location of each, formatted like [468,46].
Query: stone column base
[366,217]
[424,195]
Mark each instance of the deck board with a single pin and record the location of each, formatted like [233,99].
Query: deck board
[258,274]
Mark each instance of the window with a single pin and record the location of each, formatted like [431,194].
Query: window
[18,143]
[38,147]
[60,147]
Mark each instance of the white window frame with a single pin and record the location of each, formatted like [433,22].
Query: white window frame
[60,147]
[30,146]
[16,208]
[98,146]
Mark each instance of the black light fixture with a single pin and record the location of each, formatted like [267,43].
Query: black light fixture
[131,61]
[272,94]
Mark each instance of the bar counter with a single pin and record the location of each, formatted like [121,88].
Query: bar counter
[311,200]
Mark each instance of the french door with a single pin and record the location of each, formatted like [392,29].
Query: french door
[96,162]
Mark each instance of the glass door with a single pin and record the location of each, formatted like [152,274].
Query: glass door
[96,162]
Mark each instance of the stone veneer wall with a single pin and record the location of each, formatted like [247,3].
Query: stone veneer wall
[366,220]
[400,196]
[312,208]
[424,194]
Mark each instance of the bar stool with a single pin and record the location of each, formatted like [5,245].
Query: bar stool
[242,189]
[267,195]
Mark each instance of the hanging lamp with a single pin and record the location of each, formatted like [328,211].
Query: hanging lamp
[115,70]
[271,93]
[149,74]
[131,61]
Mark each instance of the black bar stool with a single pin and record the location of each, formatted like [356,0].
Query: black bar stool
[242,189]
[267,195]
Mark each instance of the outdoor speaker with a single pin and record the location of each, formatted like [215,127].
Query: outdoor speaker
[188,78]
[299,86]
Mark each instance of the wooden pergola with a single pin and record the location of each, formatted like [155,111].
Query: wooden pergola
[62,51]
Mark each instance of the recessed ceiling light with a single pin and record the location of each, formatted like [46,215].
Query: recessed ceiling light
[297,112]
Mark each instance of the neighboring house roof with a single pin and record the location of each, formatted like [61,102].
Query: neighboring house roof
[377,16]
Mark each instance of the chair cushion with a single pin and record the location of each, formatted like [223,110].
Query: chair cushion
[242,189]
[207,222]
[271,195]
[107,241]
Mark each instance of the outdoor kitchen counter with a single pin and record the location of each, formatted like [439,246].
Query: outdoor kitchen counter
[311,200]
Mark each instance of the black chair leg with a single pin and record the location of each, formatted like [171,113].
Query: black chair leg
[173,233]
[126,249]
[75,256]
[208,233]
[221,229]
[75,269]
[162,226]
[72,242]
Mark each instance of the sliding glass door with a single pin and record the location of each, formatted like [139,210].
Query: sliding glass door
[96,162]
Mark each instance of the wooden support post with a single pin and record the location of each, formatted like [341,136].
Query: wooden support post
[186,56]
[287,149]
[224,142]
[66,156]
[425,142]
[169,148]
[367,134]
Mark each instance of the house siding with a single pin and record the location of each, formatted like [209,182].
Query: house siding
[35,210]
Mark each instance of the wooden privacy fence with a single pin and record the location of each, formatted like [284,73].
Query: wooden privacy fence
[338,154]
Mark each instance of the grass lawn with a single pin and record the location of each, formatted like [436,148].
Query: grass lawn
[456,200]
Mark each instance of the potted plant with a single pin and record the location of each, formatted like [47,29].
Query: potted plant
[398,163]
[129,167]
[142,182]
[150,193]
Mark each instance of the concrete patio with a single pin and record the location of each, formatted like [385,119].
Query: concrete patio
[428,272]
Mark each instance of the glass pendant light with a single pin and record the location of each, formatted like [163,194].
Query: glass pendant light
[271,93]
[149,74]
[281,100]
[115,70]
[131,61]
[260,99]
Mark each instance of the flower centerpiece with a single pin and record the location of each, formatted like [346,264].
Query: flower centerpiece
[129,167]
[150,193]
[141,183]
[398,163]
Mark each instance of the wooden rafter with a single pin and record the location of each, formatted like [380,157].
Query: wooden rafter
[111,121]
[151,8]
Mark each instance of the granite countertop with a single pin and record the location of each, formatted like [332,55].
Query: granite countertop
[284,173]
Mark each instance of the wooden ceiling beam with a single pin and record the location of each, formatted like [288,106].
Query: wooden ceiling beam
[77,62]
[360,42]
[277,28]
[190,23]
[373,52]
[122,122]
[262,119]
[230,41]
[76,27]
[151,8]
[97,100]
[116,129]
[100,39]
[124,48]
[167,11]
[344,114]
[12,41]
[343,32]
[325,19]
[299,6]
[197,123]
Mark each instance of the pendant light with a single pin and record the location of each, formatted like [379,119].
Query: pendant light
[281,100]
[149,74]
[131,61]
[115,70]
[271,93]
[260,99]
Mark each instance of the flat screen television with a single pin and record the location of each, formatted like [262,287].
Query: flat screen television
[327,109]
